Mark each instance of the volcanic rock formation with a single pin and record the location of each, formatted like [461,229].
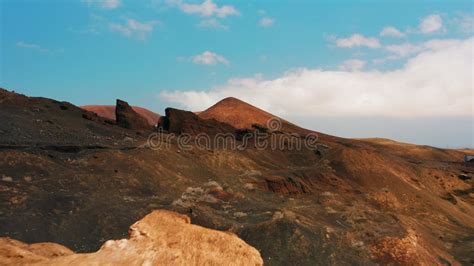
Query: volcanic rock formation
[179,122]
[128,118]
[108,111]
[160,238]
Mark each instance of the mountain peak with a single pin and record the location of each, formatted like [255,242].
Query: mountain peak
[231,101]
[241,114]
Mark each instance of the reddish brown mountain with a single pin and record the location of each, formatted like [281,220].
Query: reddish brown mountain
[108,111]
[240,114]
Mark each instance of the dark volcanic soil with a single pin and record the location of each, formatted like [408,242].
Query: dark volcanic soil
[70,177]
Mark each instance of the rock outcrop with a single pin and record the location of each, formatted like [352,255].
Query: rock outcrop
[126,117]
[160,238]
[108,111]
[179,122]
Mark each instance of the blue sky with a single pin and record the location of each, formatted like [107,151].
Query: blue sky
[270,53]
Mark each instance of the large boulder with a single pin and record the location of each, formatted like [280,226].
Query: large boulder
[179,122]
[127,118]
[160,238]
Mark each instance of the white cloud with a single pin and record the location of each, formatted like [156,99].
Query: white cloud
[392,32]
[105,4]
[212,23]
[358,40]
[206,9]
[25,45]
[209,58]
[431,24]
[438,82]
[352,65]
[134,29]
[266,22]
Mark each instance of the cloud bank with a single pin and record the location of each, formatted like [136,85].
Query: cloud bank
[435,82]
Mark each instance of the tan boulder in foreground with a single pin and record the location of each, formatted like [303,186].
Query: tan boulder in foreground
[160,238]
